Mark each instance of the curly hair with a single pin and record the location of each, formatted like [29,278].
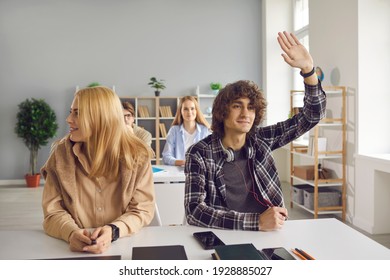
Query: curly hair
[232,92]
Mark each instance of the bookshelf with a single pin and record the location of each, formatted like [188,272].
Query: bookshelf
[325,148]
[156,115]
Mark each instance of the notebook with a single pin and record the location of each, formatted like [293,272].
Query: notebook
[168,252]
[245,251]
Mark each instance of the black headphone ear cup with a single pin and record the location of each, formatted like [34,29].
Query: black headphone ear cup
[229,155]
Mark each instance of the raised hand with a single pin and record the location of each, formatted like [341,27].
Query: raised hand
[295,54]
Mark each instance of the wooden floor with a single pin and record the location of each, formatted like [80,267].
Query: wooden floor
[20,208]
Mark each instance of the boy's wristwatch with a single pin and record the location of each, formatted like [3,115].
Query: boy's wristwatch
[115,232]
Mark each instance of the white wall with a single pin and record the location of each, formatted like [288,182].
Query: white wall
[374,72]
[373,160]
[277,75]
[354,37]
[333,43]
[48,47]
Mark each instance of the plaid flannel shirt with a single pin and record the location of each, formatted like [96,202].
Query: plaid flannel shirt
[205,189]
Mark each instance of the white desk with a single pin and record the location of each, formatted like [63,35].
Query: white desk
[169,174]
[169,188]
[324,239]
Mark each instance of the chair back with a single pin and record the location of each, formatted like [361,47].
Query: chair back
[156,219]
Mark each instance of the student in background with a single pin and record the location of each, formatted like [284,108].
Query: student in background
[129,114]
[188,127]
[231,177]
[98,178]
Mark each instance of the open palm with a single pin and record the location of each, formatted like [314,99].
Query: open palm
[295,54]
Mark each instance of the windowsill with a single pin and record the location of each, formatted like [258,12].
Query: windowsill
[381,158]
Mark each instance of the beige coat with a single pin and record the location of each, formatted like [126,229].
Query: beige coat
[71,200]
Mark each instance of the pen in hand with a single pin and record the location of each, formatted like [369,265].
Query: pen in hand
[270,205]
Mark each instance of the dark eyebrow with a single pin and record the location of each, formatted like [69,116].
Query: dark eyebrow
[237,101]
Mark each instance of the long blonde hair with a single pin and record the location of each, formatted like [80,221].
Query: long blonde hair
[109,142]
[178,120]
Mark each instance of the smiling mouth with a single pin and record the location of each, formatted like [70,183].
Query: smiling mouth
[72,129]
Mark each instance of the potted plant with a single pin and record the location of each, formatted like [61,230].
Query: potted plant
[94,84]
[215,87]
[36,124]
[158,85]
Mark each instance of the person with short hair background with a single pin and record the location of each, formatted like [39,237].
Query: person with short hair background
[129,115]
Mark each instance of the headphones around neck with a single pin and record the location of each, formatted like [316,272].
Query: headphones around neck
[250,153]
[229,153]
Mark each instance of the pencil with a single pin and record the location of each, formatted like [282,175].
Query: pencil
[298,254]
[303,253]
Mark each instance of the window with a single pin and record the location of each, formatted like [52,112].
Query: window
[301,14]
[301,30]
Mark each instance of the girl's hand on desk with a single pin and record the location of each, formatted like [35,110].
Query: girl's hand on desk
[100,240]
[79,239]
[96,242]
[180,162]
[272,219]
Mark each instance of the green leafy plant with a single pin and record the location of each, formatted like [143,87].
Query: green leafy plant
[157,84]
[36,124]
[215,86]
[94,84]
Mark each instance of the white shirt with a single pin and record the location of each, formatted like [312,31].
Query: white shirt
[189,139]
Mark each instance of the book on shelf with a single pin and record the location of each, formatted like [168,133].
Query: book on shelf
[163,130]
[140,111]
[166,252]
[322,142]
[165,111]
[162,111]
[143,111]
[244,251]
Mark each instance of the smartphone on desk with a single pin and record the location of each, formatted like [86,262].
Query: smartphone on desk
[208,239]
[277,253]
